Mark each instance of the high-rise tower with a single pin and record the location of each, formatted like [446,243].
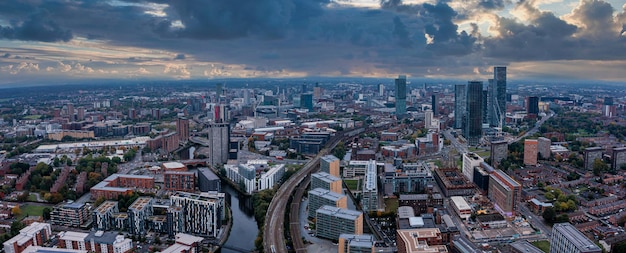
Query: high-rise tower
[473,116]
[460,104]
[401,96]
[497,95]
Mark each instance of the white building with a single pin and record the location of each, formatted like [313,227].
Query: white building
[357,168]
[35,234]
[461,207]
[471,160]
[246,175]
[370,189]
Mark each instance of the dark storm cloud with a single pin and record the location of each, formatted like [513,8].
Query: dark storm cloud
[548,37]
[36,28]
[180,57]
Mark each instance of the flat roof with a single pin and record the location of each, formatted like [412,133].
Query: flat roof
[361,241]
[104,207]
[208,173]
[460,203]
[39,249]
[413,197]
[73,236]
[405,212]
[323,193]
[173,165]
[574,236]
[187,239]
[325,177]
[330,158]
[140,203]
[339,212]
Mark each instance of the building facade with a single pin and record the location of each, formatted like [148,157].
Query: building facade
[460,104]
[198,214]
[179,181]
[400,95]
[505,192]
[138,213]
[497,95]
[208,181]
[219,138]
[568,239]
[70,215]
[369,192]
[530,152]
[36,234]
[543,147]
[103,215]
[330,165]
[182,128]
[326,181]
[319,197]
[334,221]
[470,160]
[499,151]
[349,243]
[473,129]
[590,155]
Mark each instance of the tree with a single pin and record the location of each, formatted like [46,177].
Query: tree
[340,150]
[16,211]
[16,226]
[599,166]
[46,213]
[549,215]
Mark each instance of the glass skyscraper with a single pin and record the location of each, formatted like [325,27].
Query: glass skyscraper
[474,113]
[460,102]
[401,96]
[497,97]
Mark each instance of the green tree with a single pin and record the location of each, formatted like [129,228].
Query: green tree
[340,150]
[599,166]
[46,213]
[549,215]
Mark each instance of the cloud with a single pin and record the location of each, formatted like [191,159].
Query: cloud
[179,71]
[36,28]
[21,67]
[179,57]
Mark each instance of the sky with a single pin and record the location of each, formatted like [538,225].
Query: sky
[64,40]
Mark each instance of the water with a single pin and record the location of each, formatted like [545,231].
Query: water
[244,230]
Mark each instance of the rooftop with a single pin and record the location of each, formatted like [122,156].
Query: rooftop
[325,177]
[525,246]
[140,203]
[574,236]
[333,196]
[173,165]
[104,207]
[38,249]
[460,202]
[339,212]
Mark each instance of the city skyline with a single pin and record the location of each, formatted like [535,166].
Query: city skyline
[58,41]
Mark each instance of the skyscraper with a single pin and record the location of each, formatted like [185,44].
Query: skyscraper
[532,106]
[460,102]
[435,104]
[306,101]
[400,96]
[497,89]
[473,116]
[182,127]
[219,138]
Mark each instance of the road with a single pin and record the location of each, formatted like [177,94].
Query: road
[455,142]
[534,129]
[536,221]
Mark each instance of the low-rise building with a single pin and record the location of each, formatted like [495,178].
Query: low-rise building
[176,180]
[460,206]
[349,243]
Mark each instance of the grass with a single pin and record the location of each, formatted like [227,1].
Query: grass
[32,117]
[353,184]
[32,197]
[30,210]
[484,153]
[542,245]
[391,205]
[438,163]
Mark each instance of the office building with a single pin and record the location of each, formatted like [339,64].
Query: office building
[369,191]
[179,181]
[208,181]
[319,197]
[618,157]
[330,165]
[198,214]
[470,160]
[530,152]
[460,104]
[326,181]
[420,203]
[219,138]
[306,101]
[568,239]
[357,168]
[349,243]
[400,96]
[497,95]
[422,240]
[428,119]
[485,107]
[499,151]
[532,106]
[543,148]
[317,92]
[505,192]
[70,215]
[381,90]
[334,221]
[103,216]
[481,176]
[36,234]
[138,213]
[182,128]
[246,176]
[473,129]
[410,178]
[590,155]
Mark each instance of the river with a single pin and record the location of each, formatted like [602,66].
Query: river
[244,230]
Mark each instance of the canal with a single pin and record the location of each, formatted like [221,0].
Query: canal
[244,230]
